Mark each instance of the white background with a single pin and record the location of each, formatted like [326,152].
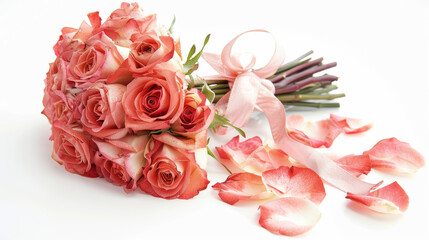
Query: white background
[382,50]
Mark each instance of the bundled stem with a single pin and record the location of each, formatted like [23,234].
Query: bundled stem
[295,84]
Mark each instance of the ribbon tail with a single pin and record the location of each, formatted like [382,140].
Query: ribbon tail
[318,162]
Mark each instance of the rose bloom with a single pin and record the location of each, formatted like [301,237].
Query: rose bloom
[154,101]
[97,61]
[126,21]
[148,50]
[196,115]
[56,77]
[73,150]
[172,172]
[72,40]
[60,107]
[102,114]
[121,161]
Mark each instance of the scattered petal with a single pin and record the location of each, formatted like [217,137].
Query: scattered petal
[355,164]
[317,134]
[395,156]
[389,199]
[351,125]
[289,216]
[240,186]
[295,182]
[251,156]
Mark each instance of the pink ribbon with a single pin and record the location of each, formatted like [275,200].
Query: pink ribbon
[251,90]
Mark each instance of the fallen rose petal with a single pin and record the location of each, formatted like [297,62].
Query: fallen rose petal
[389,199]
[395,156]
[251,156]
[355,164]
[317,134]
[351,125]
[240,186]
[295,182]
[289,216]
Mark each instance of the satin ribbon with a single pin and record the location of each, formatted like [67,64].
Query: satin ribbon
[250,90]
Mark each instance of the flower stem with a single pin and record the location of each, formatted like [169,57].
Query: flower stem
[313,104]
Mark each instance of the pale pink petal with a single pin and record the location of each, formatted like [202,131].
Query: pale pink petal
[108,150]
[317,134]
[289,216]
[389,199]
[395,156]
[355,164]
[295,182]
[240,186]
[351,125]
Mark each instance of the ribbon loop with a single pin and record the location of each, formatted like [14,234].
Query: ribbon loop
[250,90]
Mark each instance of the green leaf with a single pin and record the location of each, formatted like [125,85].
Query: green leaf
[210,153]
[188,66]
[170,29]
[159,131]
[222,121]
[208,92]
[191,52]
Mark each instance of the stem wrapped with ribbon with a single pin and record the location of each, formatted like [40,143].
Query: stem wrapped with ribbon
[250,90]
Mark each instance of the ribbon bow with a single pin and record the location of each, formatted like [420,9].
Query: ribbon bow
[250,90]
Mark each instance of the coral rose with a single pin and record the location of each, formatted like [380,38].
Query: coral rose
[196,115]
[172,172]
[97,61]
[101,111]
[154,101]
[126,21]
[73,150]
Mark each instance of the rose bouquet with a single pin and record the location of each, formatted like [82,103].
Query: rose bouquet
[124,106]
[120,108]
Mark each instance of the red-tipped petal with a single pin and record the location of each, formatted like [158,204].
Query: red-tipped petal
[241,186]
[295,182]
[389,199]
[317,134]
[351,125]
[289,216]
[395,156]
[355,164]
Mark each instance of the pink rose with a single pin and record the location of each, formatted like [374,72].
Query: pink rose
[196,116]
[73,150]
[60,107]
[172,172]
[126,21]
[101,111]
[154,101]
[73,40]
[97,61]
[121,161]
[56,77]
[148,50]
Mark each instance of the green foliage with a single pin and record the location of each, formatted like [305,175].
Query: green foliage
[222,121]
[191,63]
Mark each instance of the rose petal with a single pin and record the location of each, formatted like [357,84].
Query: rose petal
[289,216]
[351,125]
[241,186]
[389,199]
[355,164]
[295,182]
[395,156]
[317,134]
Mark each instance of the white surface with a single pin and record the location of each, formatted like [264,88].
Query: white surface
[382,50]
